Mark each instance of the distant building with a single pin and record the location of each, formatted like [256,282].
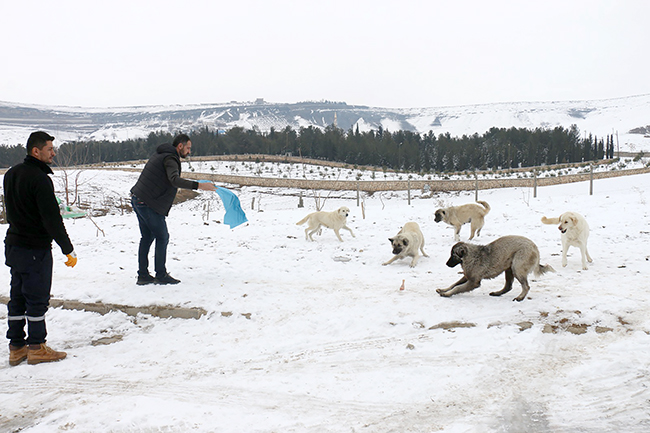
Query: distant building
[259,101]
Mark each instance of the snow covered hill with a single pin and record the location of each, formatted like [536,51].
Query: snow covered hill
[627,118]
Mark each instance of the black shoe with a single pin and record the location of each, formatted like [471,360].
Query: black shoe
[145,279]
[166,279]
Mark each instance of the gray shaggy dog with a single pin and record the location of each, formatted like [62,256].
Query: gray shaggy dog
[517,256]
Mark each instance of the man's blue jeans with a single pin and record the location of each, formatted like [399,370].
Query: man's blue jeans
[152,227]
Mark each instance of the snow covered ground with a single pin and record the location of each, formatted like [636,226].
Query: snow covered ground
[317,337]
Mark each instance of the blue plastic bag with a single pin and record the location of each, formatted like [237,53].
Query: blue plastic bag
[234,214]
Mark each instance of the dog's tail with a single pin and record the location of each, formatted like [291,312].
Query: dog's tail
[542,269]
[302,221]
[485,205]
[550,220]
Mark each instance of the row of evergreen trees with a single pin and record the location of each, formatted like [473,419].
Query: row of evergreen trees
[11,155]
[401,150]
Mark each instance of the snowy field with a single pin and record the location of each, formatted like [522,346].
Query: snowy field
[317,337]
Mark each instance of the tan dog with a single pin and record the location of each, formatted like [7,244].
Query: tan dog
[335,220]
[575,232]
[407,243]
[516,255]
[468,213]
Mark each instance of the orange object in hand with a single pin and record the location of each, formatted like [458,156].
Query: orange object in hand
[72,259]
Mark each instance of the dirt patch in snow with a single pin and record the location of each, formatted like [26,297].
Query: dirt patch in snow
[163,311]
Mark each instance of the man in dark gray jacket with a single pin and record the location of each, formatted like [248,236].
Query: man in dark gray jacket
[152,198]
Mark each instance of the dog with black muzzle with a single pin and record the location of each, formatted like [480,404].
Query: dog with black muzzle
[408,241]
[517,256]
[471,213]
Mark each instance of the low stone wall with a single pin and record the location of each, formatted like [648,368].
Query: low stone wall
[403,185]
[375,185]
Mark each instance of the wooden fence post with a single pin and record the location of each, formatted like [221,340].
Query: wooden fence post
[357,193]
[409,190]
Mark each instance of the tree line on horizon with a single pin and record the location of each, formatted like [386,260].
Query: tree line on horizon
[498,148]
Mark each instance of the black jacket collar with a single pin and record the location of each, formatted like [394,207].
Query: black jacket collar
[30,160]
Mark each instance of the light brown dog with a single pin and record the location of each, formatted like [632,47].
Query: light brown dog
[335,220]
[407,243]
[575,232]
[468,213]
[517,256]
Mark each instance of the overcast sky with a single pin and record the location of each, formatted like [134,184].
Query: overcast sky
[393,54]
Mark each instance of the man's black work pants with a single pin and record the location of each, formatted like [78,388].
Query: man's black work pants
[31,282]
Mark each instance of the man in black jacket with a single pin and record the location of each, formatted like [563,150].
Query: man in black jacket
[34,221]
[152,198]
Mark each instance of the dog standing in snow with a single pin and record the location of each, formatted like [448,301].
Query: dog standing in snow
[468,213]
[335,220]
[575,232]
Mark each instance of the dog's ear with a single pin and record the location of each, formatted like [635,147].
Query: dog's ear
[406,242]
[390,240]
[460,250]
[574,220]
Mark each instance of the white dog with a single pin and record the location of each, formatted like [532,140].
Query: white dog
[407,243]
[575,232]
[334,220]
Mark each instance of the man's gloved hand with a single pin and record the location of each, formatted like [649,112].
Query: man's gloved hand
[72,259]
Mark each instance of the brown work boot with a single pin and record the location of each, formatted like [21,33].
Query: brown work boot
[38,353]
[17,354]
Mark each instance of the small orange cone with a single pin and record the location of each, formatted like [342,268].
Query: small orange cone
[402,286]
